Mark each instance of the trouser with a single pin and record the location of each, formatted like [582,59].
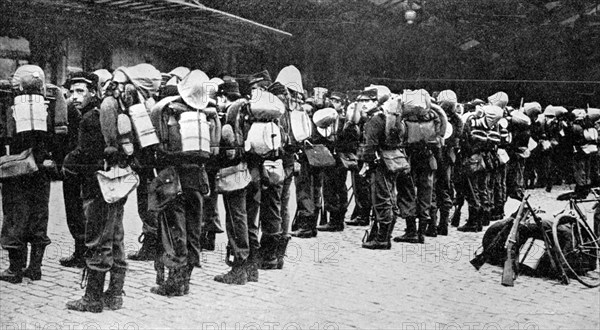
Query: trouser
[406,195]
[74,207]
[25,211]
[211,222]
[581,169]
[179,226]
[473,189]
[498,187]
[383,194]
[335,193]
[595,169]
[285,200]
[104,234]
[263,206]
[309,184]
[149,218]
[515,178]
[442,192]
[423,178]
[236,224]
[362,195]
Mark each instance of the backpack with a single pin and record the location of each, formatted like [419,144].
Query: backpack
[263,138]
[421,128]
[265,106]
[300,125]
[30,113]
[395,128]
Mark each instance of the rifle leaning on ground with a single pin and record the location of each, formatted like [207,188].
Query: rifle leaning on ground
[510,264]
[556,267]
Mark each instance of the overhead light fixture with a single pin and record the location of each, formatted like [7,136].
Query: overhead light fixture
[410,16]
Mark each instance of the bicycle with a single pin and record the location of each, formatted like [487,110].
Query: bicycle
[577,244]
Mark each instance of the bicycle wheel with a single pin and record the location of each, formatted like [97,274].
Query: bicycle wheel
[578,249]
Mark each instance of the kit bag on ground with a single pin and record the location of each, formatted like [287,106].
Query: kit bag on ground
[530,244]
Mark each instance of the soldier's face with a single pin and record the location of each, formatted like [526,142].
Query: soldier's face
[81,95]
[365,105]
[337,104]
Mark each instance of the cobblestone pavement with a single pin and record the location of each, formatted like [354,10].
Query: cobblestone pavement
[328,282]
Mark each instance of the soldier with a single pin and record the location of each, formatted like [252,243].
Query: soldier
[83,100]
[384,159]
[360,183]
[181,217]
[417,110]
[335,193]
[583,136]
[474,144]
[243,260]
[98,148]
[443,192]
[26,193]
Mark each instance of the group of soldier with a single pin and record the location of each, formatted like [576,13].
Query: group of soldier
[412,156]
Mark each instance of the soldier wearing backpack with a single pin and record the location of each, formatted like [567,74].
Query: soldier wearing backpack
[182,125]
[98,148]
[232,179]
[425,127]
[28,131]
[443,188]
[475,143]
[343,143]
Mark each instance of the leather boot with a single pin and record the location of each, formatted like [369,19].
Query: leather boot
[92,299]
[252,265]
[34,271]
[17,259]
[174,285]
[442,228]
[410,233]
[76,259]
[237,275]
[485,218]
[207,240]
[423,224]
[336,223]
[455,222]
[359,218]
[281,249]
[473,222]
[431,229]
[381,239]
[113,297]
[268,251]
[186,279]
[148,250]
[304,228]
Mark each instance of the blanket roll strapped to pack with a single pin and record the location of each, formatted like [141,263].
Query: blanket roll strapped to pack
[30,113]
[144,129]
[195,132]
[263,138]
[265,106]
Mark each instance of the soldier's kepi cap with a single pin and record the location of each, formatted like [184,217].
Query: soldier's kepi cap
[337,96]
[260,77]
[84,77]
[229,87]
